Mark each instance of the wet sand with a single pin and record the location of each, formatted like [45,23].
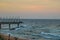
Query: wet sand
[6,37]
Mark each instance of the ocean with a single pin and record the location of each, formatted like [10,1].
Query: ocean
[35,29]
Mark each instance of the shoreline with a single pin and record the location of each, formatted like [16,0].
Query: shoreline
[6,37]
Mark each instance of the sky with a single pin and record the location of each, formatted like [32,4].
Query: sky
[30,9]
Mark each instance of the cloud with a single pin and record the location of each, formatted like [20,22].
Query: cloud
[15,5]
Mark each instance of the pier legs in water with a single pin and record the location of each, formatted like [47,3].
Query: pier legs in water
[18,25]
[0,26]
[9,26]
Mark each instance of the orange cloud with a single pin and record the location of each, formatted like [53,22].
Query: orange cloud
[15,6]
[33,5]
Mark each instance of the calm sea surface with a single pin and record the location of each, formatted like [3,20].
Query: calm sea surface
[35,29]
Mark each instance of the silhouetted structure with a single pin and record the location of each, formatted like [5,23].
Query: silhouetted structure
[10,21]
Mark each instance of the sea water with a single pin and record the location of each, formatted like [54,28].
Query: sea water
[35,29]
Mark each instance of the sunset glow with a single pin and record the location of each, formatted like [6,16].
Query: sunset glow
[29,5]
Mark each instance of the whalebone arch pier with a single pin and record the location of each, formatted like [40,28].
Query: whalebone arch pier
[10,21]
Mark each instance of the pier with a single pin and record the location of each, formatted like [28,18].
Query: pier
[10,21]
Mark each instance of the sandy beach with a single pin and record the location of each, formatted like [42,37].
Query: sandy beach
[6,37]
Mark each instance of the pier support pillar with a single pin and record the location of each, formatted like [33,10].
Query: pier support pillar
[9,27]
[0,26]
[18,25]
